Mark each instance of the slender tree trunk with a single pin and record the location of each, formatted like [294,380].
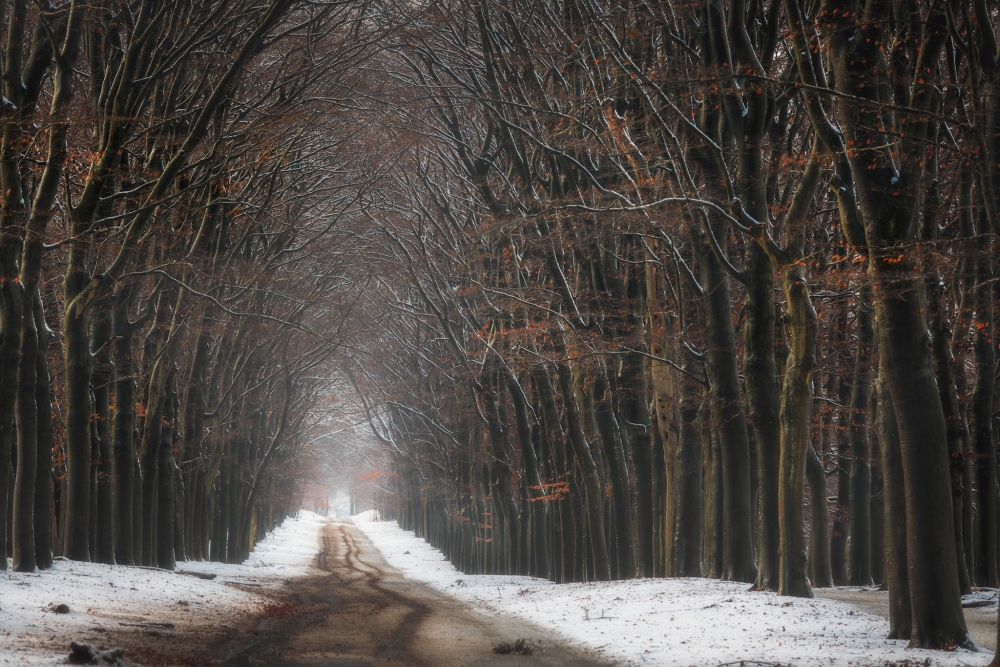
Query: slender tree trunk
[43,478]
[894,494]
[820,567]
[634,397]
[690,483]
[981,429]
[165,484]
[104,547]
[78,446]
[594,490]
[763,405]
[860,558]
[137,513]
[714,519]
[565,538]
[30,272]
[152,440]
[842,514]
[614,452]
[534,491]
[877,501]
[665,389]
[123,428]
[27,439]
[11,298]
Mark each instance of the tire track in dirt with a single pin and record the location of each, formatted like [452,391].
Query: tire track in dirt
[396,646]
[312,603]
[359,612]
[319,597]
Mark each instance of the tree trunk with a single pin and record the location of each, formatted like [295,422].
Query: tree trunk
[841,516]
[715,497]
[894,493]
[614,452]
[935,595]
[665,389]
[534,491]
[796,416]
[764,402]
[78,447]
[593,488]
[981,429]
[165,484]
[820,567]
[124,427]
[27,439]
[43,477]
[634,399]
[723,370]
[103,549]
[691,488]
[860,558]
[564,539]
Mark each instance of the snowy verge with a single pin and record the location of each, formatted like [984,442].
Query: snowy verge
[106,601]
[668,622]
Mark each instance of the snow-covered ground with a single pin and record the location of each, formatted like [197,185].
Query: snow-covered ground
[104,600]
[669,622]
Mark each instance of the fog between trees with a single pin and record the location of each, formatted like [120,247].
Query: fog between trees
[640,289]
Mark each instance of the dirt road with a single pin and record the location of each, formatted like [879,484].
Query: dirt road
[362,612]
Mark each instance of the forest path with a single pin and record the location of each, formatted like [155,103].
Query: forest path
[363,612]
[981,621]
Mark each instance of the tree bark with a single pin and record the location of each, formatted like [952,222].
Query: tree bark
[123,445]
[593,488]
[894,492]
[43,477]
[27,438]
[820,568]
[860,557]
[981,428]
[738,563]
[165,483]
[796,416]
[935,595]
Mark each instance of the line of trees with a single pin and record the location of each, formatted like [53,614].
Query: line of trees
[173,283]
[694,289]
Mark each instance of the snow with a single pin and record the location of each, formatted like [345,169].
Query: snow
[669,622]
[108,598]
[980,597]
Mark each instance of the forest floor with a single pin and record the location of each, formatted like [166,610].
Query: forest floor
[158,617]
[322,591]
[316,592]
[980,608]
[681,622]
